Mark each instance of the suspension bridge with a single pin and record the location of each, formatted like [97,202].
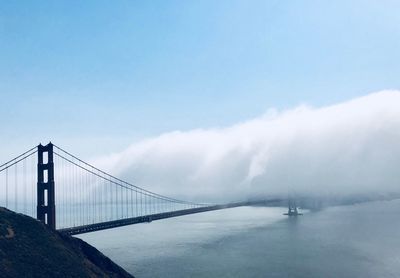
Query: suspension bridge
[75,197]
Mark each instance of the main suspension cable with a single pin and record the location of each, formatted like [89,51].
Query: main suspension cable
[15,158]
[166,198]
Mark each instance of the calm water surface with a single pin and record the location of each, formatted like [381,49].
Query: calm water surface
[351,241]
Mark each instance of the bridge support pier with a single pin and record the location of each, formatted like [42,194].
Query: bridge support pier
[46,208]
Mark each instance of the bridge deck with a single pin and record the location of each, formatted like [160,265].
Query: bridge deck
[158,216]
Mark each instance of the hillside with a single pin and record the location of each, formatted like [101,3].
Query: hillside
[28,248]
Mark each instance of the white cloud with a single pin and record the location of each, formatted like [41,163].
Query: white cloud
[352,147]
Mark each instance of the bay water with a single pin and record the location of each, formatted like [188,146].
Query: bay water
[348,241]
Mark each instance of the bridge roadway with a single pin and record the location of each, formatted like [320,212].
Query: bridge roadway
[158,216]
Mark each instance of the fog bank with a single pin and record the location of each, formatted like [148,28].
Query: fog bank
[349,148]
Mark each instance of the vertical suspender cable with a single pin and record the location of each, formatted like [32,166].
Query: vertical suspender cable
[127,202]
[16,188]
[136,204]
[131,203]
[7,188]
[111,200]
[25,185]
[116,202]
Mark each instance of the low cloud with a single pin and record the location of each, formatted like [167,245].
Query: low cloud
[348,148]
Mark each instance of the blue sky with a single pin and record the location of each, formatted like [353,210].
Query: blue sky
[99,75]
